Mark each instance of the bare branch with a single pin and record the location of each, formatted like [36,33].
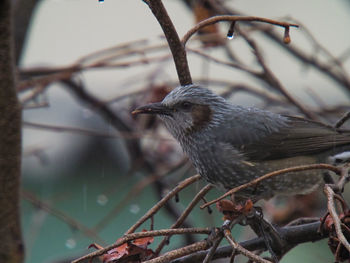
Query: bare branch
[296,52]
[184,215]
[331,208]
[176,253]
[60,215]
[134,192]
[231,18]
[294,235]
[134,236]
[342,120]
[320,166]
[269,77]
[237,247]
[165,199]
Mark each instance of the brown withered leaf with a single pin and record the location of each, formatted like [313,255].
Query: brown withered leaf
[232,210]
[134,252]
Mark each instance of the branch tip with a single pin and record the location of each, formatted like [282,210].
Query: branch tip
[231,31]
[286,38]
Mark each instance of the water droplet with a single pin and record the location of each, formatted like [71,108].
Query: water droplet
[230,36]
[134,209]
[102,199]
[71,243]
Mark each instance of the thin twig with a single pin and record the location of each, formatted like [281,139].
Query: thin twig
[344,178]
[107,113]
[303,220]
[96,133]
[177,253]
[231,18]
[219,235]
[237,247]
[294,235]
[333,213]
[269,77]
[275,173]
[133,193]
[81,131]
[165,199]
[342,120]
[266,76]
[73,223]
[296,52]
[214,247]
[43,76]
[153,233]
[184,215]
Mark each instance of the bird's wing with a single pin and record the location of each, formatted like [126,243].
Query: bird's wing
[267,139]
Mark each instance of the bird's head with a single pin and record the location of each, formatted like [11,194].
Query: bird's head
[186,109]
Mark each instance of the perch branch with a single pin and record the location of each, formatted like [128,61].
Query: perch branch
[294,235]
[272,174]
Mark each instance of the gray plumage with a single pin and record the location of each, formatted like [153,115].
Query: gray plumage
[230,145]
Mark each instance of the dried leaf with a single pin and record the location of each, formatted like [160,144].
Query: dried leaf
[232,210]
[134,251]
[225,205]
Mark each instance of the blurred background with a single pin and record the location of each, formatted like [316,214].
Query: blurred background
[90,170]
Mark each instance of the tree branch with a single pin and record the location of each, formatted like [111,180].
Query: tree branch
[294,235]
[275,173]
[133,236]
[177,49]
[23,11]
[232,18]
[165,199]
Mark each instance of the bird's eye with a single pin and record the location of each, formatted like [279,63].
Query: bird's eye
[186,105]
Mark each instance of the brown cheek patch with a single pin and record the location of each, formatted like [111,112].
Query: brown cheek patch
[201,115]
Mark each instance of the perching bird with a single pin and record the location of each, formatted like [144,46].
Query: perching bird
[230,145]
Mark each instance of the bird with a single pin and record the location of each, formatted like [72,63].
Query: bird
[230,145]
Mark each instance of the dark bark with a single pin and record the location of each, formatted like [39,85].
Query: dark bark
[23,12]
[293,235]
[11,247]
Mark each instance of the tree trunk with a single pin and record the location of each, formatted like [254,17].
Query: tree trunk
[23,11]
[11,247]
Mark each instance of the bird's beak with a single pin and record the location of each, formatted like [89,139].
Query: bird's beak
[153,108]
